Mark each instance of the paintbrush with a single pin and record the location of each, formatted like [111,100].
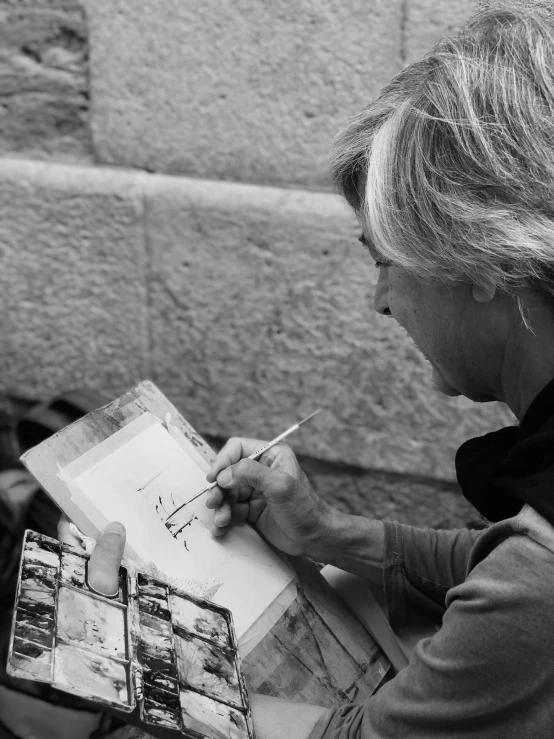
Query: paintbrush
[255,455]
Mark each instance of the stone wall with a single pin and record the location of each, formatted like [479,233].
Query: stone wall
[166,212]
[44,95]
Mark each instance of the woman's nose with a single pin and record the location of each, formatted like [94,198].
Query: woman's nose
[381,297]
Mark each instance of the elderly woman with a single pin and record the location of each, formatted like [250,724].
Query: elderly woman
[451,174]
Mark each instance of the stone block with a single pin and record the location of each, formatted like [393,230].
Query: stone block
[72,279]
[244,91]
[428,21]
[44,98]
[409,499]
[261,310]
[541,8]
[249,306]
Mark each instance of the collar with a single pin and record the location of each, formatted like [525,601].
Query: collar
[501,471]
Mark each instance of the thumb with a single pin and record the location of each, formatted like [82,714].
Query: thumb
[105,560]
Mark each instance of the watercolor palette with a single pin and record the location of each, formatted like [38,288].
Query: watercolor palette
[172,655]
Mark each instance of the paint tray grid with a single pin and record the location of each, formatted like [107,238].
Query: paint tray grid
[191,675]
[32,647]
[92,649]
[160,705]
[176,653]
[65,635]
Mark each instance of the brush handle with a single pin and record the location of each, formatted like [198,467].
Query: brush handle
[274,441]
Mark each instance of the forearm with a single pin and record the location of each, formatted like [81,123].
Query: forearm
[352,543]
[359,545]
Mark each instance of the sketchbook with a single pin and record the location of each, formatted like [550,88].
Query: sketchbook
[135,461]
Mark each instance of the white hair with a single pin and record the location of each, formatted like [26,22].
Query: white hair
[457,158]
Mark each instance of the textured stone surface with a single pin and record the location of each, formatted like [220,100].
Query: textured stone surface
[412,500]
[261,312]
[259,306]
[427,21]
[542,8]
[43,79]
[72,285]
[244,90]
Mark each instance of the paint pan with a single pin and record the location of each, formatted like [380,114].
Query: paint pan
[36,576]
[73,570]
[211,718]
[208,669]
[153,646]
[91,623]
[196,620]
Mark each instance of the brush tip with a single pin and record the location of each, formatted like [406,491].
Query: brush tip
[310,416]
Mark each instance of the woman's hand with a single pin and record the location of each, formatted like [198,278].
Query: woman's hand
[272,493]
[105,560]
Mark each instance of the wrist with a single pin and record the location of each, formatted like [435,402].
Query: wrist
[329,535]
[352,543]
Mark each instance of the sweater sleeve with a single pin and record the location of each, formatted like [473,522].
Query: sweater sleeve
[487,673]
[420,567]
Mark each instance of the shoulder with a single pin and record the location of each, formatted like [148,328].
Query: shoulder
[524,543]
[510,584]
[498,623]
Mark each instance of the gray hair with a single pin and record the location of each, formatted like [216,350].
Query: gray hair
[457,158]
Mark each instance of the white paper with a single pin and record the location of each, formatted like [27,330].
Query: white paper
[139,476]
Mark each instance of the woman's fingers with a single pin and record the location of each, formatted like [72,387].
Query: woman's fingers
[234,450]
[245,488]
[248,476]
[237,513]
[223,515]
[65,535]
[222,470]
[219,495]
[105,560]
[215,498]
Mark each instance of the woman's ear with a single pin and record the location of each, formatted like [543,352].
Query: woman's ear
[483,293]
